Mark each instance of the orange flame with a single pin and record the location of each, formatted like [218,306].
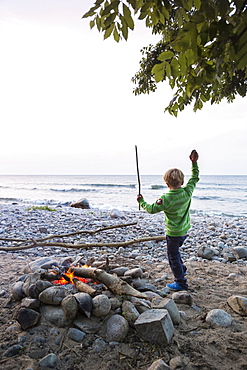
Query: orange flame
[70,274]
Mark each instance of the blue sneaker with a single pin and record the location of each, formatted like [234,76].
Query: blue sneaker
[174,286]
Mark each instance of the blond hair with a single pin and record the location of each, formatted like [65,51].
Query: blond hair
[174,178]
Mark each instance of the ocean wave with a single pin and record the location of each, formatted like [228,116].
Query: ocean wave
[111,185]
[72,190]
[8,200]
[209,198]
[157,187]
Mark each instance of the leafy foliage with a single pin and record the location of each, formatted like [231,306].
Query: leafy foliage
[202,51]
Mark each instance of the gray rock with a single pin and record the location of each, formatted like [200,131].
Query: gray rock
[119,271]
[76,335]
[27,318]
[218,318]
[17,292]
[29,286]
[129,312]
[142,285]
[30,303]
[170,306]
[179,362]
[115,213]
[151,295]
[134,273]
[70,307]
[85,303]
[49,361]
[155,326]
[12,351]
[159,365]
[39,340]
[182,297]
[241,252]
[2,293]
[205,252]
[238,304]
[55,315]
[115,303]
[141,305]
[53,295]
[230,257]
[81,203]
[117,328]
[101,305]
[42,285]
[99,346]
[88,326]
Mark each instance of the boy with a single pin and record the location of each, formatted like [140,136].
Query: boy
[176,206]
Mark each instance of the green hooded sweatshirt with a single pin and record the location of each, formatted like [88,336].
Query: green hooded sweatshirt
[176,206]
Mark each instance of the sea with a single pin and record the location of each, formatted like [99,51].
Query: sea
[223,195]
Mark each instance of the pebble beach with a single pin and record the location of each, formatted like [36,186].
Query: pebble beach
[215,254]
[213,238]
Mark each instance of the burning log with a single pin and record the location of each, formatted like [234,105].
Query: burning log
[112,282]
[50,276]
[83,287]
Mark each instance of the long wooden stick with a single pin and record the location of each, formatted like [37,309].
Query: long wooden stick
[138,174]
[36,244]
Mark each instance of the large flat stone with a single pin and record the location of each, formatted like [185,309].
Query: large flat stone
[155,326]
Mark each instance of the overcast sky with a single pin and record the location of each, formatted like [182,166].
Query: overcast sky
[67,105]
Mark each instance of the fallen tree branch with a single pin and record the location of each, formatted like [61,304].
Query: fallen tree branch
[36,244]
[91,232]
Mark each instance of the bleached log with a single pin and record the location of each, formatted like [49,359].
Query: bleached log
[112,282]
[83,287]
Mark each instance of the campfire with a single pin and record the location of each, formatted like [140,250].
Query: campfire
[86,295]
[60,277]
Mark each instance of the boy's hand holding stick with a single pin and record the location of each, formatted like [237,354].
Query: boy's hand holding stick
[138,177]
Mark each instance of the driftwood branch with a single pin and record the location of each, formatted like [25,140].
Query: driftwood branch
[33,243]
[36,244]
[91,232]
[113,282]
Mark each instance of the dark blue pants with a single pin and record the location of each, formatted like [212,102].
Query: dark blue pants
[174,258]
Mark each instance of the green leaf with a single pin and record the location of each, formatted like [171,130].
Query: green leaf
[113,6]
[190,57]
[108,31]
[125,31]
[243,62]
[168,70]
[109,20]
[127,17]
[90,13]
[92,23]
[175,68]
[197,4]
[165,55]
[165,12]
[98,2]
[116,35]
[182,63]
[158,71]
[98,22]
